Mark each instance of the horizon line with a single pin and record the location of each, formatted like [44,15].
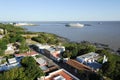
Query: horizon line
[52,20]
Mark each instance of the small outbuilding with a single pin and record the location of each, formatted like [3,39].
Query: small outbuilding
[12,60]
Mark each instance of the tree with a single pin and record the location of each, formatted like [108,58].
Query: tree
[108,68]
[32,70]
[74,52]
[3,46]
[90,48]
[116,73]
[14,74]
[94,76]
[28,71]
[67,54]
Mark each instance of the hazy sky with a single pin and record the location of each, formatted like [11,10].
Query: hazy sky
[59,10]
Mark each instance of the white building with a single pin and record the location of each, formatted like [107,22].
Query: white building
[61,48]
[90,60]
[51,48]
[41,46]
[87,58]
[12,63]
[53,51]
[12,60]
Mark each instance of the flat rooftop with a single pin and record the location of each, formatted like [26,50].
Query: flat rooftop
[41,61]
[88,55]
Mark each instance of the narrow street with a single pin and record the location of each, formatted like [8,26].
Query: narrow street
[59,64]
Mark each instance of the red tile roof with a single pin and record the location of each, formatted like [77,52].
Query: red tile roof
[78,65]
[56,54]
[61,73]
[32,53]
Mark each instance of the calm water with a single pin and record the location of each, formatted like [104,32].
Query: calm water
[107,32]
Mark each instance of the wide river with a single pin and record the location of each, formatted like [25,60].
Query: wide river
[107,32]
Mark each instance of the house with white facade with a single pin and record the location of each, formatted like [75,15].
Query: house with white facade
[52,51]
[89,59]
[12,60]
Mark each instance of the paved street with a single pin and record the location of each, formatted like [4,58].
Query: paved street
[60,65]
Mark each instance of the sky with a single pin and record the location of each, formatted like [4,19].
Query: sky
[59,10]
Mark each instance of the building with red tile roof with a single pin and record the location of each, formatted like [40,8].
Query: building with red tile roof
[77,65]
[55,55]
[60,74]
[32,53]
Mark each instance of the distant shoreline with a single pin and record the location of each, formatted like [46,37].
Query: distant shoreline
[24,24]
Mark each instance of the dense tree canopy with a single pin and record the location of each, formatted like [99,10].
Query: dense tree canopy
[3,46]
[111,68]
[10,28]
[76,49]
[32,70]
[12,34]
[47,38]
